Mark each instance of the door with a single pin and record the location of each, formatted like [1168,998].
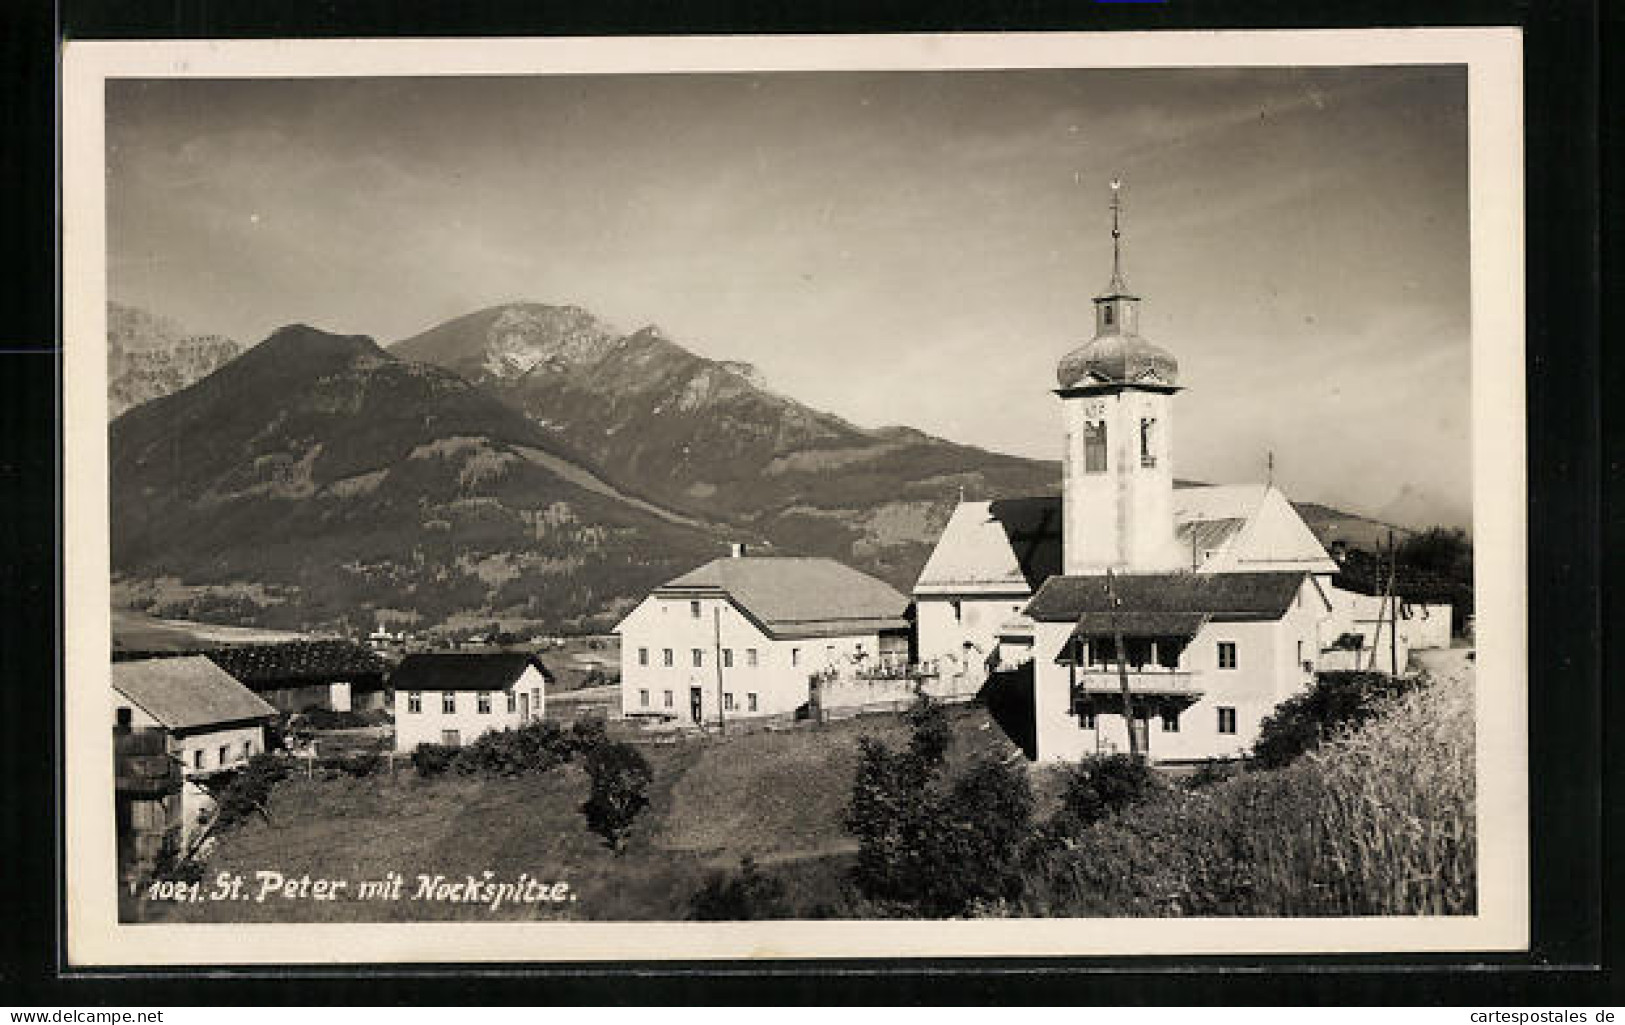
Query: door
[1142,733]
[524,707]
[450,738]
[695,703]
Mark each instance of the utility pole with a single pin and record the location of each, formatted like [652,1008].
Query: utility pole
[1393,605]
[716,624]
[1122,667]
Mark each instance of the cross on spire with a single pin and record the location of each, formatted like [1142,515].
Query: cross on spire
[1118,286]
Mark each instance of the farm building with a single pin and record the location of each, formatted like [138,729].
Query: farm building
[211,723]
[298,676]
[453,698]
[743,636]
[1222,595]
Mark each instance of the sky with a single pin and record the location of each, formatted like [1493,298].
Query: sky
[912,248]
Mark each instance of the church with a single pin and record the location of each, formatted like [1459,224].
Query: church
[1220,597]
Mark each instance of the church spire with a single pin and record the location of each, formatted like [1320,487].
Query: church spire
[1118,286]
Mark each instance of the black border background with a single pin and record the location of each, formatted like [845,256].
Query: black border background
[1573,826]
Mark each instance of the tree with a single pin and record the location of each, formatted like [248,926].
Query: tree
[620,791]
[744,897]
[1102,785]
[1338,700]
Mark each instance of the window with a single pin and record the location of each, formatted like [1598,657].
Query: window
[225,755]
[699,657]
[643,656]
[536,701]
[667,658]
[1087,720]
[414,702]
[829,652]
[728,702]
[643,698]
[482,704]
[513,702]
[1148,456]
[795,656]
[248,749]
[1170,722]
[451,738]
[1300,651]
[124,716]
[448,703]
[197,758]
[1106,314]
[666,699]
[1094,446]
[1227,654]
[727,658]
[694,609]
[1227,720]
[750,701]
[750,657]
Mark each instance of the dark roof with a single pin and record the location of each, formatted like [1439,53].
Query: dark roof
[799,597]
[1033,526]
[1116,359]
[1228,597]
[188,692]
[268,666]
[1135,623]
[459,671]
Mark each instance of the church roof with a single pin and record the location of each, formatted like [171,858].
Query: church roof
[1227,597]
[1117,359]
[1005,546]
[798,597]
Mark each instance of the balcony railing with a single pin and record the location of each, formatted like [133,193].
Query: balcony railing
[1097,680]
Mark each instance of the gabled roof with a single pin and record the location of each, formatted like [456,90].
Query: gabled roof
[797,597]
[1010,545]
[267,666]
[188,692]
[1225,597]
[458,671]
[1203,536]
[1218,502]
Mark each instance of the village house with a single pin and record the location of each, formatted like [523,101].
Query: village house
[299,676]
[452,698]
[743,636]
[1222,596]
[211,723]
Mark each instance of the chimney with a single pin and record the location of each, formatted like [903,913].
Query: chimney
[736,550]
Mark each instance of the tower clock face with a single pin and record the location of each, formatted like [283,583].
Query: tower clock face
[1094,409]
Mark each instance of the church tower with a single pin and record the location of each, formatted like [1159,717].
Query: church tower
[1116,398]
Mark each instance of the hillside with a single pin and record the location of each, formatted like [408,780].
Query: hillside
[319,480]
[706,437]
[149,356]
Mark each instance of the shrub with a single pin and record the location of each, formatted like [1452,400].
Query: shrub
[362,764]
[430,760]
[1336,701]
[1103,785]
[934,848]
[747,896]
[620,790]
[247,790]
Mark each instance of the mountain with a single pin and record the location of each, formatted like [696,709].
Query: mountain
[707,438]
[319,480]
[149,356]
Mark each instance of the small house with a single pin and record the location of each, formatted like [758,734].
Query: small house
[211,723]
[299,676]
[452,698]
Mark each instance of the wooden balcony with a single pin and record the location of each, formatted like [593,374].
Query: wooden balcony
[1158,682]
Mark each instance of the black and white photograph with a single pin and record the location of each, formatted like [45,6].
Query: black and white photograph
[817,497]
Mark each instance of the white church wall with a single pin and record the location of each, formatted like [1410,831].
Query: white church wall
[963,627]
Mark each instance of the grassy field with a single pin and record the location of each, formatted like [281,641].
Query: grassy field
[776,796]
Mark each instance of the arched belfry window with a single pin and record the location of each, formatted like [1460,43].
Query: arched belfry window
[1148,450]
[1107,314]
[1094,446]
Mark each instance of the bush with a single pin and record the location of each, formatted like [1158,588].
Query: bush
[1378,821]
[620,791]
[932,848]
[1103,785]
[748,896]
[247,790]
[430,760]
[1336,701]
[362,764]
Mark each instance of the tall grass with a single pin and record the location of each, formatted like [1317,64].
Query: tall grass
[1378,821]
